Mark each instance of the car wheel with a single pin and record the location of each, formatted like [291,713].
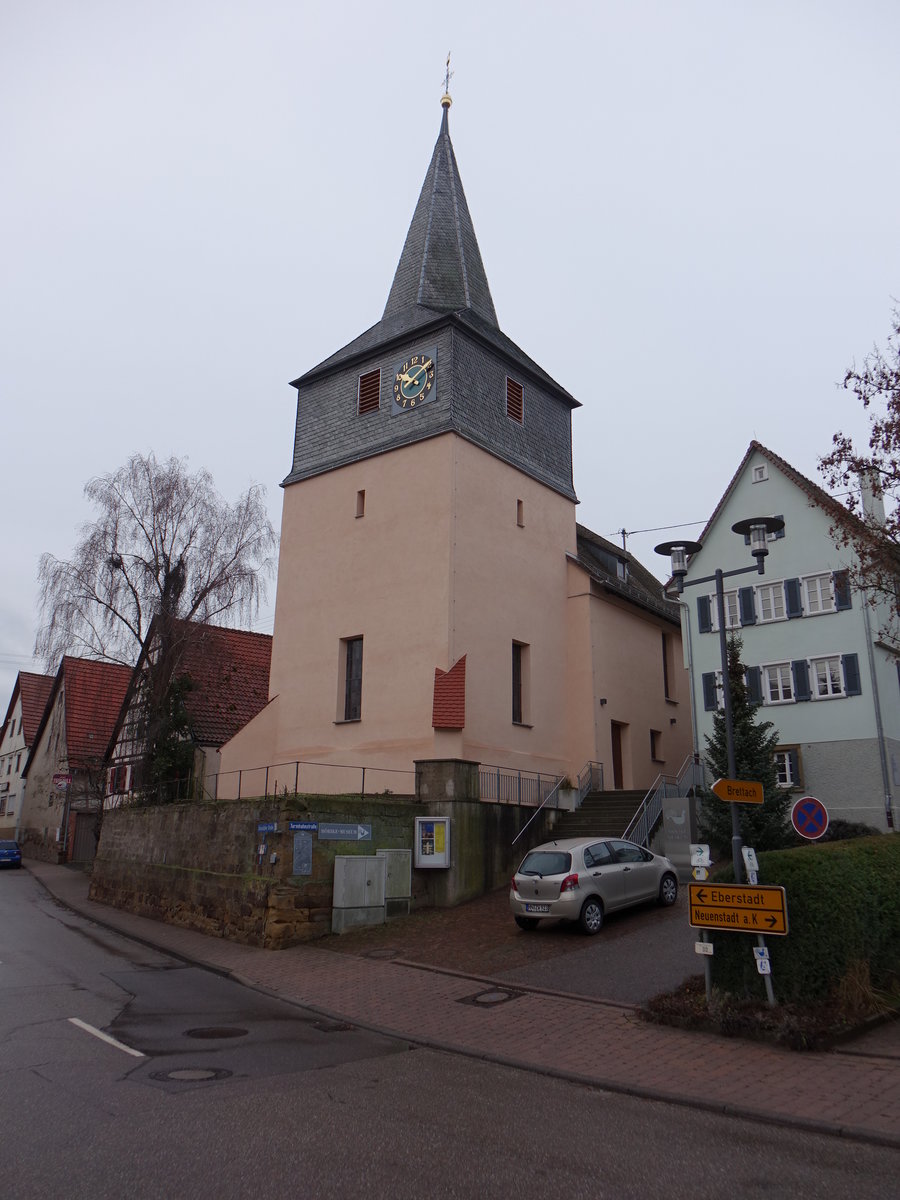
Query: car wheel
[591,918]
[527,923]
[668,890]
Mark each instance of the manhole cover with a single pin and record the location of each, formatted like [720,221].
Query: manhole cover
[490,997]
[215,1031]
[191,1075]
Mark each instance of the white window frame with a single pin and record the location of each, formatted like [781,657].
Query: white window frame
[783,767]
[732,611]
[818,595]
[760,473]
[832,662]
[780,674]
[769,591]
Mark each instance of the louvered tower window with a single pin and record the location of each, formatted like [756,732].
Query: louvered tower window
[515,400]
[369,392]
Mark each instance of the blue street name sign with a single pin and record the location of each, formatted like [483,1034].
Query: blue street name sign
[345,833]
[303,826]
[266,827]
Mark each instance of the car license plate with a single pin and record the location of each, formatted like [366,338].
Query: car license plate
[537,908]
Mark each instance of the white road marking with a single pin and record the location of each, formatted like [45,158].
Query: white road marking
[104,1037]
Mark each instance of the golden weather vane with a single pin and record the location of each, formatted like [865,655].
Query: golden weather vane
[448,75]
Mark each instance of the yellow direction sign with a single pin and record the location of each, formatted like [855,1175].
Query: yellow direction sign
[738,791]
[738,908]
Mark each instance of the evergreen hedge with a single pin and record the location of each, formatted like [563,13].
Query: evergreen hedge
[843,902]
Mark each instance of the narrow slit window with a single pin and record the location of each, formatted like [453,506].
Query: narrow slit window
[520,513]
[515,400]
[353,679]
[361,502]
[369,392]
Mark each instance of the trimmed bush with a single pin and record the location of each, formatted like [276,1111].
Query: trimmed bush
[843,902]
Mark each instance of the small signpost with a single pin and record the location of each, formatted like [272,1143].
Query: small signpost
[751,864]
[809,817]
[763,962]
[738,908]
[62,780]
[738,791]
[344,832]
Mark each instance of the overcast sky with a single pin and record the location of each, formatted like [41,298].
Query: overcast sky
[688,214]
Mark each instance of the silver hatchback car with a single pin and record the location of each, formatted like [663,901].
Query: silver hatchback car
[580,879]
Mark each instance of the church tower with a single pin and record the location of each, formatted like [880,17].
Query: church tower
[428,528]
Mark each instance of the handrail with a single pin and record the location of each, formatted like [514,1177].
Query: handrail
[554,792]
[590,779]
[508,785]
[649,811]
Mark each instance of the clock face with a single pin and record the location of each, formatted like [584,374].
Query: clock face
[414,381]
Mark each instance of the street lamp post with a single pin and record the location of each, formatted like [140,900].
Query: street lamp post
[758,529]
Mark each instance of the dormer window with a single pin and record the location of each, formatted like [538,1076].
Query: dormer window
[515,400]
[369,392]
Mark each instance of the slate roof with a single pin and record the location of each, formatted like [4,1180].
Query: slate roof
[600,558]
[440,267]
[440,278]
[35,691]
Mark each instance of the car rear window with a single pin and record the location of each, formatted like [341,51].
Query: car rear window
[9,846]
[546,862]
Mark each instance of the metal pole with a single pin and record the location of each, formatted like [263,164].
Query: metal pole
[296,777]
[736,858]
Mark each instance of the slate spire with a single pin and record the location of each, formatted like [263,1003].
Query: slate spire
[440,267]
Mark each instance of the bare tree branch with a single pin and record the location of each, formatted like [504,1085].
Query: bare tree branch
[874,537]
[164,543]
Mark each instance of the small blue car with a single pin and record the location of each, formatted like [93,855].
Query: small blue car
[10,854]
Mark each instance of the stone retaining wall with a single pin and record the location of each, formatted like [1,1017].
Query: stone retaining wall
[197,864]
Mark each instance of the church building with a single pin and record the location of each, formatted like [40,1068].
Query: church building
[436,599]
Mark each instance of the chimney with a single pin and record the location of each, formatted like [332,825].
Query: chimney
[872,496]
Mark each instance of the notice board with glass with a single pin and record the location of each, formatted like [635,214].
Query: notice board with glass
[432,847]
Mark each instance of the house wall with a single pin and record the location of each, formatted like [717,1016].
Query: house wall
[436,568]
[626,652]
[44,809]
[13,754]
[836,736]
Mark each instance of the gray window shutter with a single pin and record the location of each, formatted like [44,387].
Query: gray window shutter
[710,699]
[754,685]
[842,597]
[800,674]
[780,533]
[704,614]
[850,663]
[747,606]
[793,598]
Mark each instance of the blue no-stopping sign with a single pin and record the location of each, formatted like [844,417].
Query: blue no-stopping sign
[810,818]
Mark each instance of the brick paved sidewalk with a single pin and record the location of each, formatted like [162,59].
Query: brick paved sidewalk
[590,1041]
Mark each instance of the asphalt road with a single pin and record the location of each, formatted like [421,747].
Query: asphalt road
[297,1106]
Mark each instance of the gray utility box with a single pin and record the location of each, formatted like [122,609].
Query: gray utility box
[358,897]
[398,882]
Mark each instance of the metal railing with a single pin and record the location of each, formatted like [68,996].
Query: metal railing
[310,778]
[590,779]
[649,814]
[502,785]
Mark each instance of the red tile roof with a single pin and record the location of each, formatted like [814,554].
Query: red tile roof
[449,708]
[94,692]
[229,671]
[35,691]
